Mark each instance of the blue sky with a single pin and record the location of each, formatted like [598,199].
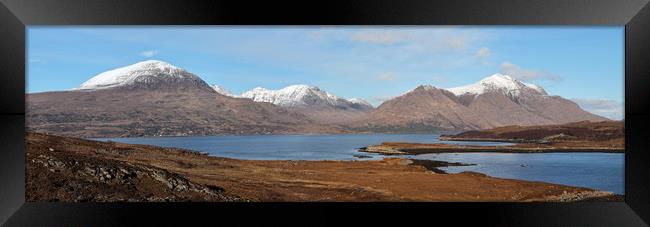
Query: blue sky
[584,64]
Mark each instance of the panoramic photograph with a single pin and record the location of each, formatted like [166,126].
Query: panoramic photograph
[324,114]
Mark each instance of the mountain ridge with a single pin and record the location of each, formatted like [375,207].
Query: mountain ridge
[155,98]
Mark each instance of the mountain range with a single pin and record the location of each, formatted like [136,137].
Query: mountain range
[155,98]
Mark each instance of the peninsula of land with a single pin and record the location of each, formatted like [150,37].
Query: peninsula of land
[585,136]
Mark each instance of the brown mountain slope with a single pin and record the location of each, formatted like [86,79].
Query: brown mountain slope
[558,109]
[492,107]
[423,109]
[330,115]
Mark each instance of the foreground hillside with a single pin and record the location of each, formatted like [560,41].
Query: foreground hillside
[70,169]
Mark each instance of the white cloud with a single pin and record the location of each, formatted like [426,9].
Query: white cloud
[418,40]
[515,71]
[482,55]
[148,53]
[604,107]
[387,77]
[484,52]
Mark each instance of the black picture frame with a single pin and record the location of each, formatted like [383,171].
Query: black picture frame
[15,15]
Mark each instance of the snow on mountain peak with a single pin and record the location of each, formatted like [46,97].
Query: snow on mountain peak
[294,95]
[222,90]
[496,82]
[129,74]
[359,101]
[535,87]
[300,95]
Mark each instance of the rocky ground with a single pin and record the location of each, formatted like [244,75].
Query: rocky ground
[70,169]
[56,175]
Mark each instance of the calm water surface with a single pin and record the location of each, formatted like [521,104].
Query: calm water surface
[603,171]
[594,170]
[287,147]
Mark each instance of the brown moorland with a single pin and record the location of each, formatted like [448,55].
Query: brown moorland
[72,169]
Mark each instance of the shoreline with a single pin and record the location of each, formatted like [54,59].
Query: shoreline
[277,134]
[72,169]
[501,140]
[390,148]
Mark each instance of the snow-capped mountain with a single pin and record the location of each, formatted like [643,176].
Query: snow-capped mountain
[222,90]
[145,74]
[504,84]
[311,101]
[300,95]
[497,100]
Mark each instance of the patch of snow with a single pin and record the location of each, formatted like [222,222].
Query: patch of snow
[359,101]
[222,90]
[536,87]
